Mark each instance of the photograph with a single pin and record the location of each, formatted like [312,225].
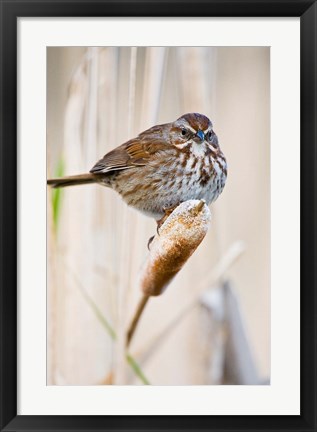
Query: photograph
[158,215]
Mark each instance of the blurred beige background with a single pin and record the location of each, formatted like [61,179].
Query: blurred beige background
[97,98]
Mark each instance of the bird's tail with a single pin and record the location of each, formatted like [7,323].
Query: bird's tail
[72,180]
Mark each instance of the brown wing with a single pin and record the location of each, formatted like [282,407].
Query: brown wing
[131,154]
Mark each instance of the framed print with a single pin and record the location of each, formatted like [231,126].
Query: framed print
[180,294]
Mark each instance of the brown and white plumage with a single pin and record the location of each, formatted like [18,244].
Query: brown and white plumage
[162,167]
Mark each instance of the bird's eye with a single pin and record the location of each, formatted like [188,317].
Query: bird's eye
[184,132]
[209,135]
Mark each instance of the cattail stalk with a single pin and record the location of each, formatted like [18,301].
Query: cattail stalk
[178,238]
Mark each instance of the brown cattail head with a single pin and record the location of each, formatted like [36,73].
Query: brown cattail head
[178,239]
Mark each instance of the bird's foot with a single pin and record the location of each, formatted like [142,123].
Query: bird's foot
[149,242]
[167,213]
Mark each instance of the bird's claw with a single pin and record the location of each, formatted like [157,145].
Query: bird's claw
[167,213]
[149,242]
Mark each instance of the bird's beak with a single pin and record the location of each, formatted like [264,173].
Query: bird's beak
[200,135]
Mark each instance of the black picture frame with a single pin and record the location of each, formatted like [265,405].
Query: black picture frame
[10,11]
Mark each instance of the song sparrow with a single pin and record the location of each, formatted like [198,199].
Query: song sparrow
[162,167]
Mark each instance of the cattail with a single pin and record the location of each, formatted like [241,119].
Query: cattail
[178,238]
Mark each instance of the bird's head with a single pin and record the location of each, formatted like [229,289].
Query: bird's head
[193,128]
